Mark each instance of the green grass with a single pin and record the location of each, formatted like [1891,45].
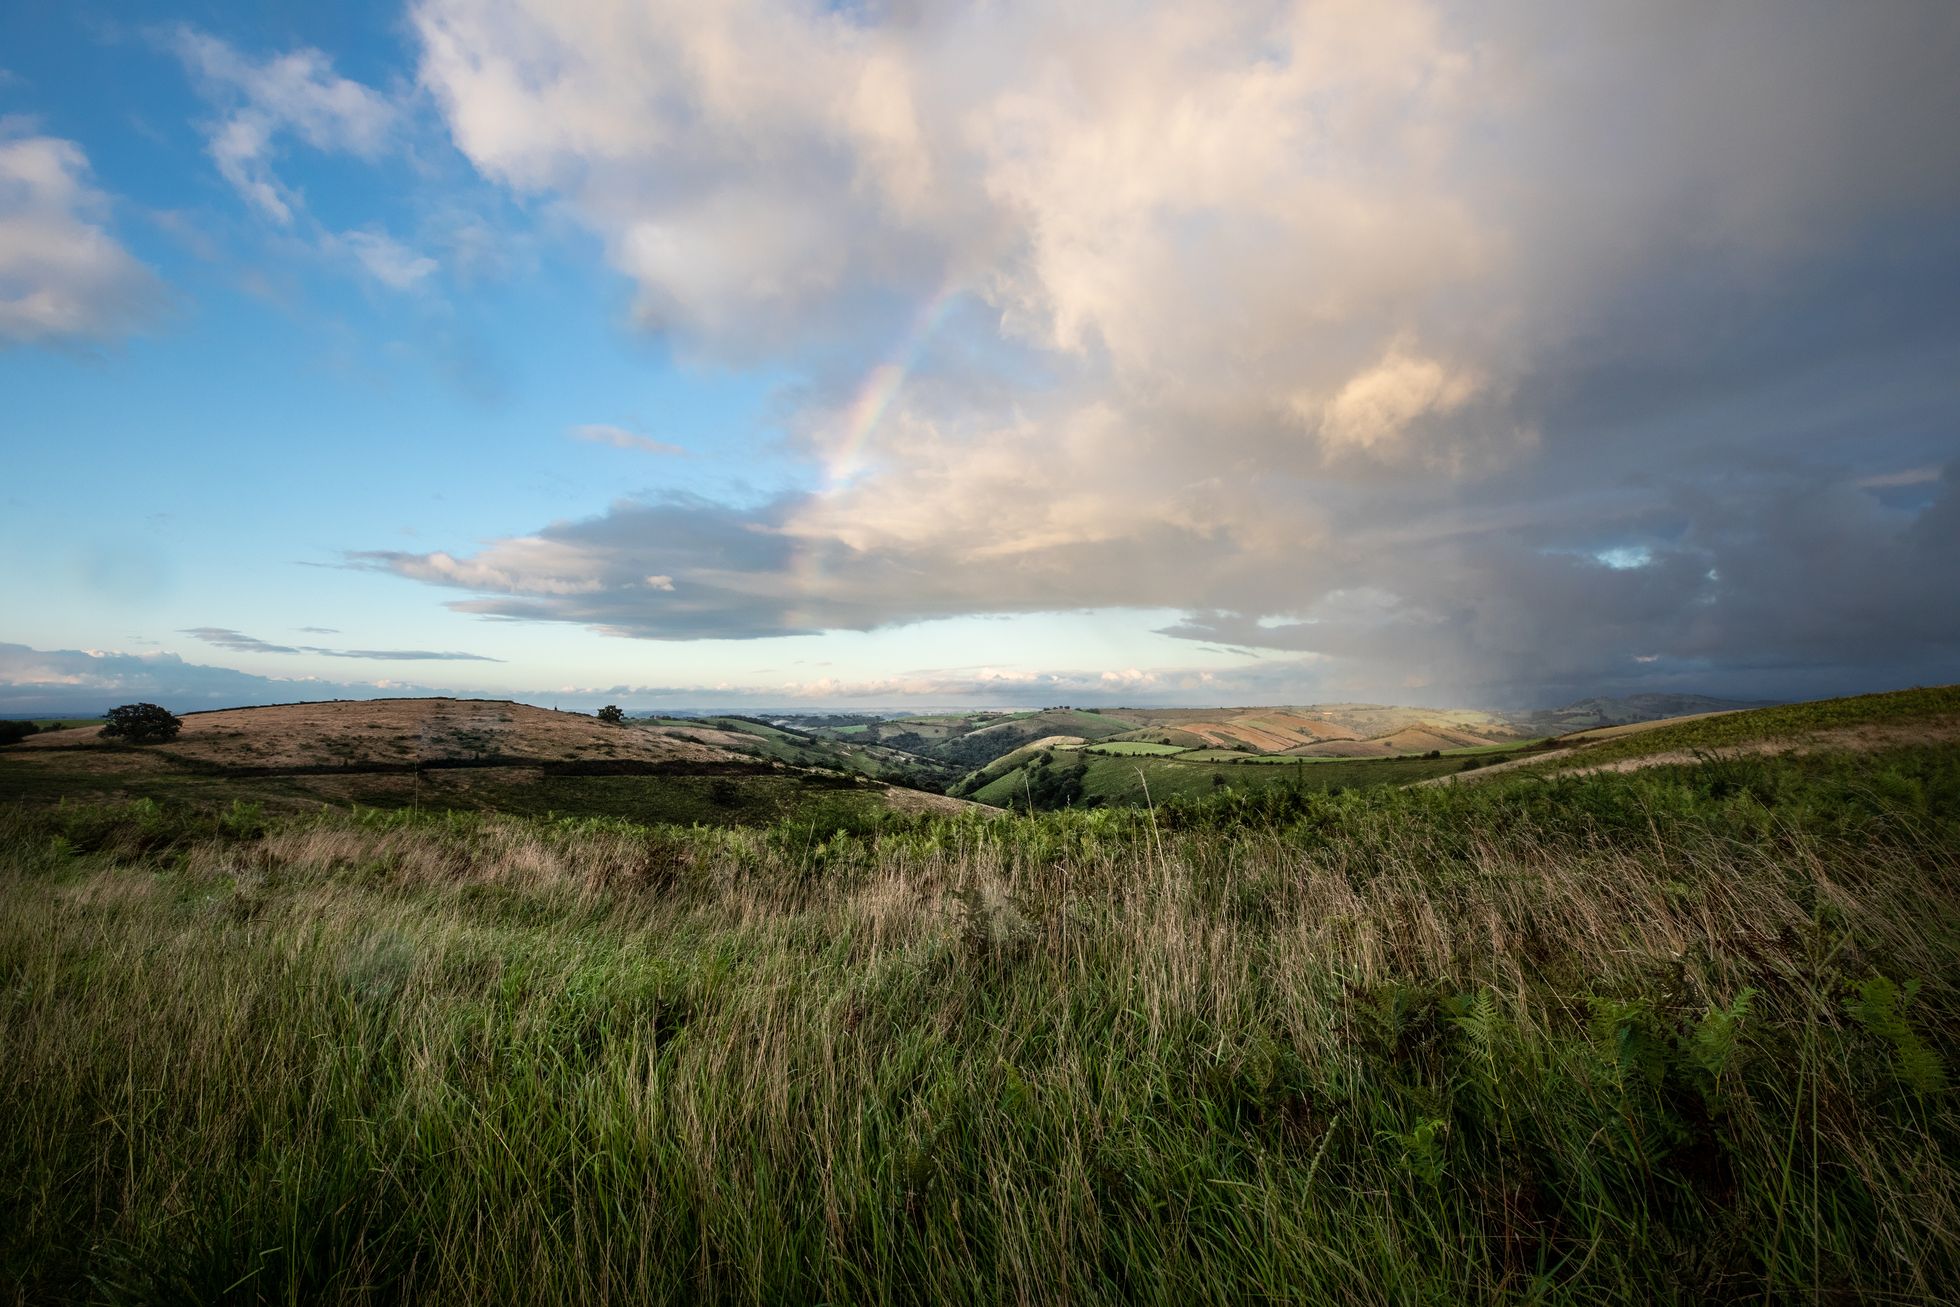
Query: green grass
[1487,750]
[716,797]
[1755,725]
[1678,1036]
[1142,779]
[1139,747]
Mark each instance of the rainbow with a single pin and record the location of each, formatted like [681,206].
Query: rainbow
[881,385]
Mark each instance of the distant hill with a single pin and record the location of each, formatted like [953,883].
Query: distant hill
[1588,714]
[964,742]
[1127,770]
[1856,724]
[972,742]
[472,754]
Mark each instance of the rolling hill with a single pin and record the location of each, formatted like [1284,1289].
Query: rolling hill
[973,741]
[1855,724]
[965,741]
[1587,714]
[1123,770]
[469,754]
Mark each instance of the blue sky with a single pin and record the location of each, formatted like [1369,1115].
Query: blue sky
[776,353]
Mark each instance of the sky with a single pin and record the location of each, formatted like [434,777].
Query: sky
[837,355]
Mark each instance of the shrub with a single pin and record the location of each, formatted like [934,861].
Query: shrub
[15,732]
[142,723]
[612,713]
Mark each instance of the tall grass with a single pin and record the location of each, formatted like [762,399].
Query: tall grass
[1675,1037]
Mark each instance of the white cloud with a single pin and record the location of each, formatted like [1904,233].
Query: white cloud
[1622,557]
[1375,409]
[387,260]
[294,94]
[1911,476]
[63,277]
[601,433]
[529,566]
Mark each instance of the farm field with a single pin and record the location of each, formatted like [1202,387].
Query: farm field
[947,746]
[1120,748]
[1679,1034]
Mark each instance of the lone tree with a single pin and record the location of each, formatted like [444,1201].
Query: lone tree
[613,713]
[142,723]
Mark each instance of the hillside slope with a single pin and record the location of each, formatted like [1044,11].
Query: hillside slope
[1856,724]
[406,732]
[463,754]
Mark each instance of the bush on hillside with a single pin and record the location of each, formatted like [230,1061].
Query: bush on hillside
[15,732]
[141,723]
[612,713]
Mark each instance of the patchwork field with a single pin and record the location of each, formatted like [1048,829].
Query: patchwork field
[1063,772]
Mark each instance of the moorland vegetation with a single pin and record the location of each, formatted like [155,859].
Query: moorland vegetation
[1677,1035]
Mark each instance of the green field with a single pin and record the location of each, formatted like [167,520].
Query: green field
[1137,747]
[1679,1035]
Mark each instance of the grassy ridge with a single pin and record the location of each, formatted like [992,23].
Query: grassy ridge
[1675,1036]
[717,796]
[1783,722]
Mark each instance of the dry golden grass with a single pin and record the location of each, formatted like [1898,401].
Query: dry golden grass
[402,731]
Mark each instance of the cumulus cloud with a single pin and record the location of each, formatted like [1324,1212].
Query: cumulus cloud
[1376,408]
[1353,328]
[63,277]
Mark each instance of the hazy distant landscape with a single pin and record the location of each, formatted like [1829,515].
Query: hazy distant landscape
[785,652]
[499,755]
